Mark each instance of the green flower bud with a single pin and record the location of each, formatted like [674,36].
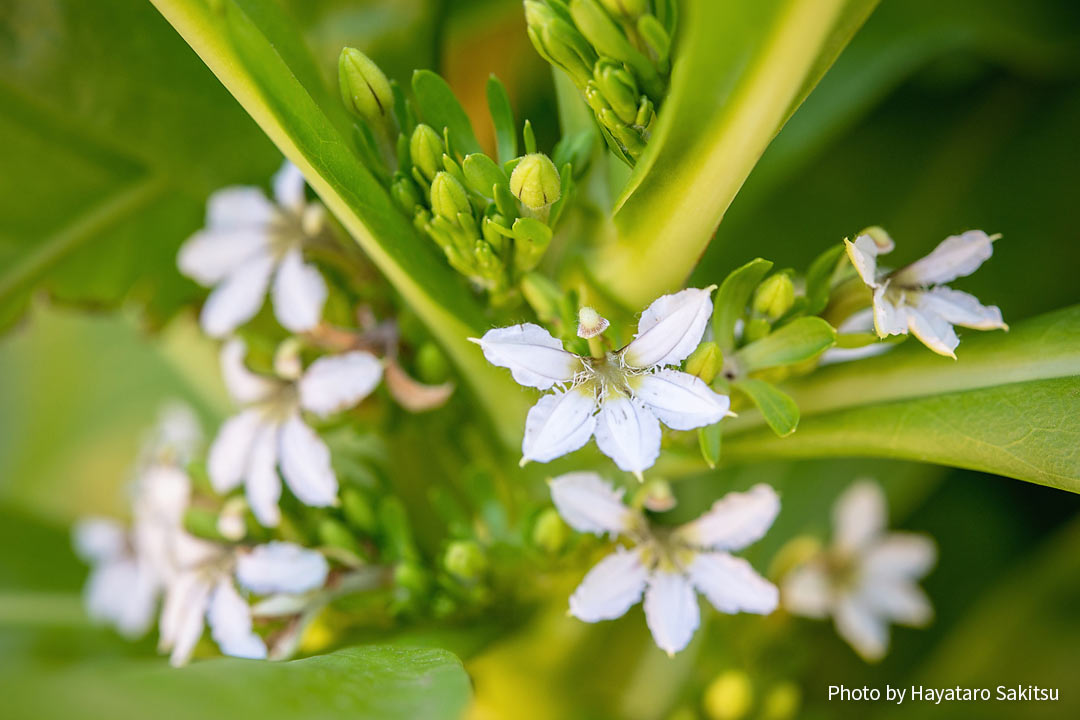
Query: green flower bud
[465,560]
[405,194]
[549,532]
[618,88]
[782,701]
[411,578]
[334,533]
[431,364]
[756,328]
[358,510]
[774,296]
[426,150]
[629,9]
[706,361]
[448,197]
[364,88]
[535,181]
[729,696]
[559,42]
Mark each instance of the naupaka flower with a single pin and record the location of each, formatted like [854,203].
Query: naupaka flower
[867,577]
[915,298]
[622,397]
[668,565]
[270,432]
[247,241]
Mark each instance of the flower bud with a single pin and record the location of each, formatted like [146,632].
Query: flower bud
[231,522]
[781,702]
[448,197]
[287,363]
[881,238]
[405,194]
[426,150]
[706,361]
[618,88]
[590,323]
[559,42]
[549,532]
[656,496]
[774,296]
[729,696]
[756,328]
[364,88]
[629,9]
[431,364]
[465,560]
[535,181]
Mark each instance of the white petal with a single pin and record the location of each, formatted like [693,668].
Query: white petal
[805,591]
[900,601]
[901,555]
[671,610]
[889,319]
[680,400]
[734,521]
[261,482]
[209,256]
[863,254]
[239,207]
[182,617]
[731,584]
[243,385]
[230,623]
[535,359]
[337,382]
[227,462]
[956,256]
[628,433]
[611,588]
[98,539]
[960,308]
[305,463]
[558,424]
[107,589]
[861,628]
[137,614]
[289,186]
[859,516]
[670,329]
[237,298]
[933,331]
[590,504]
[299,293]
[281,567]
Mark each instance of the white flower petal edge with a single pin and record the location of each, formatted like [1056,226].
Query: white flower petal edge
[337,382]
[261,482]
[243,385]
[209,256]
[590,504]
[805,591]
[859,516]
[671,610]
[227,462]
[299,293]
[861,628]
[281,567]
[961,308]
[734,521]
[533,356]
[229,618]
[956,256]
[305,463]
[731,585]
[288,185]
[680,400]
[98,539]
[670,328]
[558,424]
[611,588]
[628,433]
[863,254]
[237,298]
[239,207]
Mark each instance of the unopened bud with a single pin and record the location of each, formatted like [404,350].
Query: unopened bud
[465,560]
[535,181]
[426,150]
[755,329]
[618,88]
[230,522]
[448,197]
[775,296]
[550,533]
[881,238]
[656,496]
[706,361]
[729,696]
[287,363]
[364,88]
[431,364]
[629,9]
[405,194]
[590,323]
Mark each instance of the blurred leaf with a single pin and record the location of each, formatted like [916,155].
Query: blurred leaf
[709,440]
[502,115]
[801,339]
[731,300]
[439,108]
[379,683]
[251,49]
[1010,405]
[779,410]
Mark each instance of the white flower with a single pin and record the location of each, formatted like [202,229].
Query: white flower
[867,578]
[202,591]
[620,398]
[247,241]
[175,438]
[668,567]
[915,298]
[269,433]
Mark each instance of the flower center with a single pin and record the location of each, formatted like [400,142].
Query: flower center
[607,375]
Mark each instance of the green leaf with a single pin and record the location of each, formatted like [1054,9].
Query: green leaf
[740,71]
[441,109]
[799,340]
[709,440]
[482,174]
[731,300]
[777,408]
[245,51]
[502,116]
[819,278]
[375,683]
[1010,405]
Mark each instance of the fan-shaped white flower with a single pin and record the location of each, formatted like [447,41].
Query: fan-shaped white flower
[867,578]
[249,240]
[269,433]
[620,398]
[667,567]
[915,298]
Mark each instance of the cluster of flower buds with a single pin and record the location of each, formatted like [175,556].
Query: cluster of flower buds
[492,219]
[617,53]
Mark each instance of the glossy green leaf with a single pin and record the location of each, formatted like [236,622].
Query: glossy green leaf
[256,63]
[365,683]
[799,340]
[1009,405]
[777,408]
[440,109]
[731,300]
[502,116]
[482,174]
[740,70]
